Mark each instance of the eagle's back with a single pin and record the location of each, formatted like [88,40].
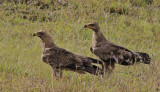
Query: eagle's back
[56,56]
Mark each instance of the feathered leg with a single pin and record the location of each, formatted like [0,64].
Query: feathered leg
[57,72]
[104,68]
[109,66]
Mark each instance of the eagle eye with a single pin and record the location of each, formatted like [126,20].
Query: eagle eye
[41,33]
[91,25]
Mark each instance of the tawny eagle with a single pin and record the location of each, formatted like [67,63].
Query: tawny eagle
[60,59]
[111,53]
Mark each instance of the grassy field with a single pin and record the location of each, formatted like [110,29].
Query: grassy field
[134,24]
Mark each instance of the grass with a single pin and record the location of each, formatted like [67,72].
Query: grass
[133,24]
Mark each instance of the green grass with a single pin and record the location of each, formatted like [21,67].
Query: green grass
[134,24]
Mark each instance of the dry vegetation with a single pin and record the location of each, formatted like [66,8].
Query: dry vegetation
[134,24]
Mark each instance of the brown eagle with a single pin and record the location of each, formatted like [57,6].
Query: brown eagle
[59,58]
[111,53]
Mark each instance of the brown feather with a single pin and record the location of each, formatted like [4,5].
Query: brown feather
[111,53]
[61,59]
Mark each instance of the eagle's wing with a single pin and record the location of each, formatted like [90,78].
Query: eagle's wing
[110,51]
[61,58]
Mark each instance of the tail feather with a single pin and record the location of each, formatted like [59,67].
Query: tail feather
[88,66]
[145,57]
[94,70]
[95,61]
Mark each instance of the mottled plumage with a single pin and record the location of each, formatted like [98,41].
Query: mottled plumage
[111,53]
[60,58]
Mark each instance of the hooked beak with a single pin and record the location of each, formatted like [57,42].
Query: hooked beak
[85,26]
[36,34]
